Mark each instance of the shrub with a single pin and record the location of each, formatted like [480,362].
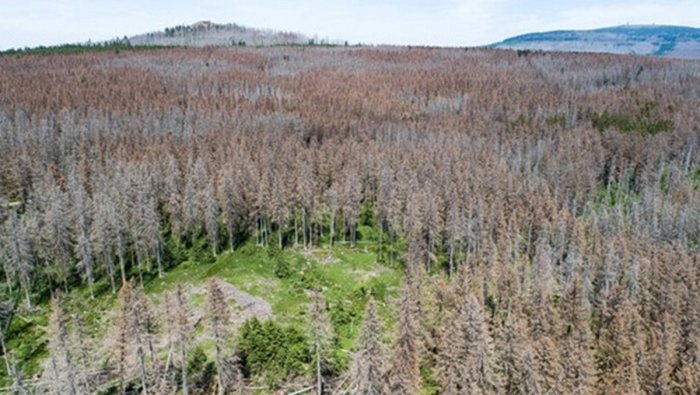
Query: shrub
[200,371]
[201,252]
[282,268]
[276,351]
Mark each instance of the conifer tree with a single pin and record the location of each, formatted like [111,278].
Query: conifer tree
[218,315]
[403,376]
[136,328]
[367,365]
[181,328]
[578,374]
[57,233]
[543,317]
[17,245]
[322,341]
[450,349]
[63,370]
[480,372]
[103,234]
[81,220]
[686,371]
[520,377]
[657,361]
[228,203]
[619,346]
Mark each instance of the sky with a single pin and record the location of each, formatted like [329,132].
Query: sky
[408,22]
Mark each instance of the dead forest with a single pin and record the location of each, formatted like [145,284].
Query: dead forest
[543,209]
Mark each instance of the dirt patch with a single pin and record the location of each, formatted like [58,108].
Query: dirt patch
[250,306]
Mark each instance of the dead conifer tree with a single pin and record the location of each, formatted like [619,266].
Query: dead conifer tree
[619,345]
[228,373]
[322,341]
[178,319]
[403,376]
[136,329]
[578,375]
[367,365]
[60,351]
[479,364]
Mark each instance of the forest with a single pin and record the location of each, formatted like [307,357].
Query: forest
[387,220]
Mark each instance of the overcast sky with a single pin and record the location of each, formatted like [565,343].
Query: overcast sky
[425,22]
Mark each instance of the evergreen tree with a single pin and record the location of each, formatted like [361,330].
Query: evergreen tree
[367,365]
[178,319]
[218,315]
[17,245]
[322,342]
[62,367]
[403,376]
[619,346]
[479,369]
[578,375]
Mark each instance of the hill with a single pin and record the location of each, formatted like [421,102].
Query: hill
[206,33]
[652,40]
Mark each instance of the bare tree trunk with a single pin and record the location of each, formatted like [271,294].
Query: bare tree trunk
[352,235]
[91,286]
[142,368]
[9,282]
[319,381]
[332,228]
[122,265]
[296,231]
[4,354]
[56,380]
[26,289]
[71,376]
[154,361]
[303,225]
[219,365]
[279,235]
[168,360]
[110,268]
[230,237]
[381,234]
[392,240]
[428,262]
[183,352]
[452,253]
[159,260]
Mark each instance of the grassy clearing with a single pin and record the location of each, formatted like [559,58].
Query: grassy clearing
[345,275]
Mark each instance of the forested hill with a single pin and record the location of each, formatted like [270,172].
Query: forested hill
[206,33]
[399,221]
[200,34]
[665,41]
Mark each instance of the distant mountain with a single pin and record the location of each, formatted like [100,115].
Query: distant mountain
[206,33]
[652,40]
